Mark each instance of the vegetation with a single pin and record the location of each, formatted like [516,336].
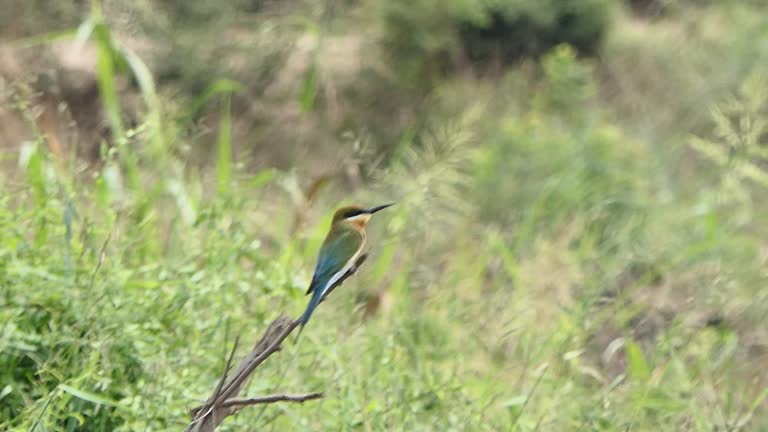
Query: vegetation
[428,38]
[579,242]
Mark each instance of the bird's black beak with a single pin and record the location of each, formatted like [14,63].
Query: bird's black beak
[373,210]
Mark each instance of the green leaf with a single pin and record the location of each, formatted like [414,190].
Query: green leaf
[90,397]
[105,74]
[224,164]
[638,368]
[184,202]
[309,88]
[32,161]
[219,87]
[44,39]
[6,391]
[148,91]
[262,178]
[515,401]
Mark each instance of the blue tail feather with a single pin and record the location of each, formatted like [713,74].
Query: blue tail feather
[313,302]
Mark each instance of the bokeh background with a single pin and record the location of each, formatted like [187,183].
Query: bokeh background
[580,240]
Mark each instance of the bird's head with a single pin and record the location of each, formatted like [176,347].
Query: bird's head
[357,215]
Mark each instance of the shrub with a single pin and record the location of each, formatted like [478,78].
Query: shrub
[426,39]
[515,30]
[560,156]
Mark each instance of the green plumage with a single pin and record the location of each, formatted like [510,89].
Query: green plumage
[339,251]
[341,245]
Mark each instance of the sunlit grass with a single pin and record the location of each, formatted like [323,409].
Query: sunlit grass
[534,275]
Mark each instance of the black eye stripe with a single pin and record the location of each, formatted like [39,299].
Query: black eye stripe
[352,213]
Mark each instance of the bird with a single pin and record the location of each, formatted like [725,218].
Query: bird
[339,253]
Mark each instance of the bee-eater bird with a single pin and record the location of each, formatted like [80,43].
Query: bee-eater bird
[339,252]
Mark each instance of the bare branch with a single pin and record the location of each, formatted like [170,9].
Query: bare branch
[217,391]
[220,405]
[226,368]
[208,416]
[268,345]
[239,403]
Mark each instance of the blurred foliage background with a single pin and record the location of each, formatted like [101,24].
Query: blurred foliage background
[580,240]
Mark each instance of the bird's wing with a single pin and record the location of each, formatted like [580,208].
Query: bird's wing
[335,253]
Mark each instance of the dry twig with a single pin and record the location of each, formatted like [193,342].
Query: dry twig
[239,403]
[221,404]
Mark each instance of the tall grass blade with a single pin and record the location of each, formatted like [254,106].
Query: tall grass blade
[89,396]
[638,367]
[154,117]
[224,164]
[105,74]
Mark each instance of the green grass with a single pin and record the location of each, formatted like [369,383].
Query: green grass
[542,270]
